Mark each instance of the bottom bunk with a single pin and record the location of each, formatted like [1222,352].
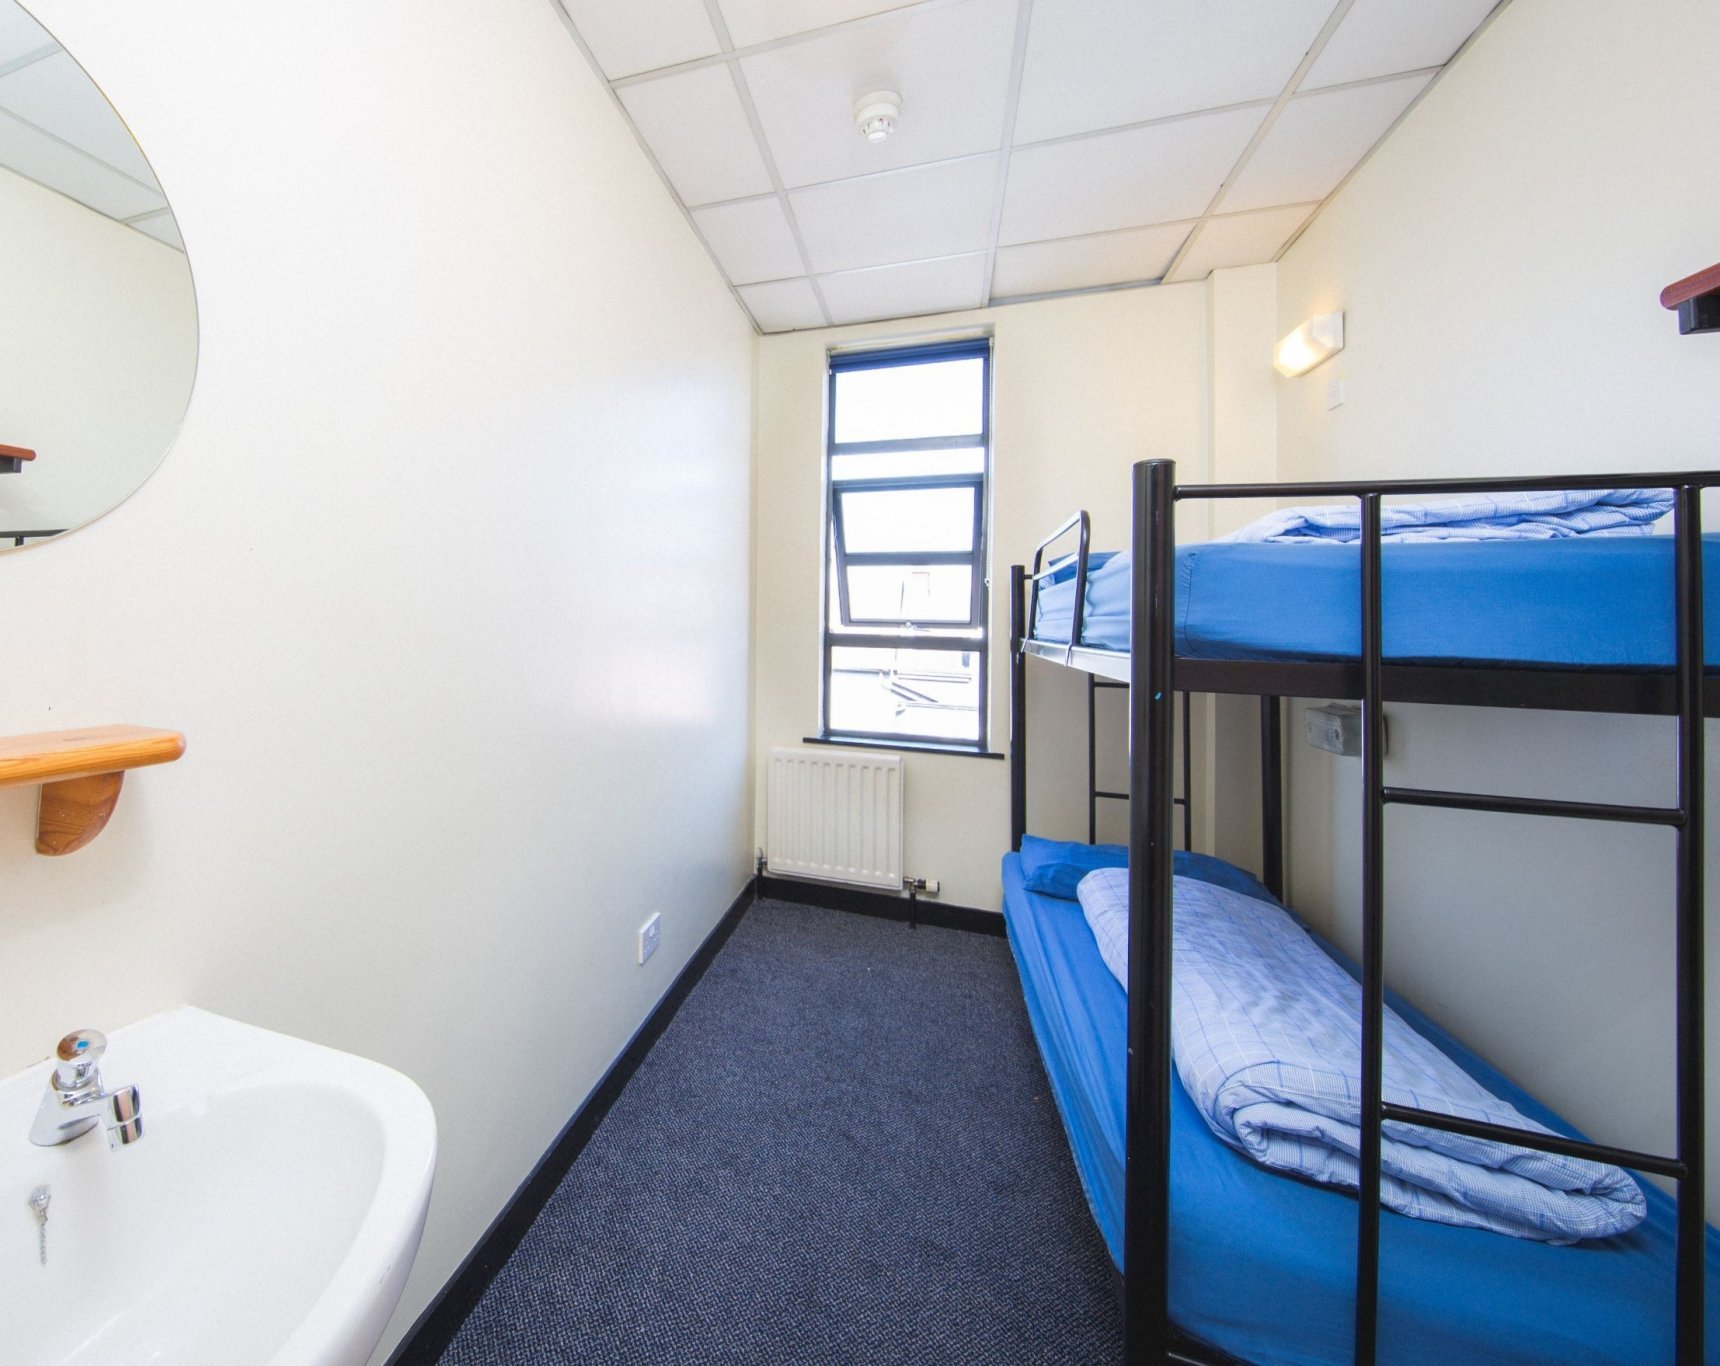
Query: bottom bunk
[1262,1266]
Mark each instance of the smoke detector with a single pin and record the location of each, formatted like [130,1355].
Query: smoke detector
[875,115]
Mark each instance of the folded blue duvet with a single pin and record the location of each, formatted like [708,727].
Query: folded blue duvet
[1264,1035]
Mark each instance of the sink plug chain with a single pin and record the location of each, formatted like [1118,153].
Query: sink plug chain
[39,1202]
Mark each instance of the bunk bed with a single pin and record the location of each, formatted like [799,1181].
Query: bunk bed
[1222,1259]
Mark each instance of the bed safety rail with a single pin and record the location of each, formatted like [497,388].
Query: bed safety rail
[1083,524]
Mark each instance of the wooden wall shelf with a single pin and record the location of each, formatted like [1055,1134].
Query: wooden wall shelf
[80,773]
[12,458]
[1696,299]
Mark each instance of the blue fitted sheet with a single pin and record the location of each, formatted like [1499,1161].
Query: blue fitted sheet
[1263,1265]
[1593,602]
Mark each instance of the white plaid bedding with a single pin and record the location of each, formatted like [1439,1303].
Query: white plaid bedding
[1266,1041]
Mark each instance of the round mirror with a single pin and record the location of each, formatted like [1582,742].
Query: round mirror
[98,323]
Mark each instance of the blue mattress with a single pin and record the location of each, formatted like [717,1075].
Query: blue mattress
[1594,602]
[1263,1265]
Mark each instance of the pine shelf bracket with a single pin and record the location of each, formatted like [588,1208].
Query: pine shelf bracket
[1696,300]
[80,773]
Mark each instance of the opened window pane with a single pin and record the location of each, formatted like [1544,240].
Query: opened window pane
[929,595]
[896,521]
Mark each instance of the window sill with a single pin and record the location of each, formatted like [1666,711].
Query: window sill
[906,746]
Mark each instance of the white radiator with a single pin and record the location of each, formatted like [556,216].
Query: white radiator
[835,815]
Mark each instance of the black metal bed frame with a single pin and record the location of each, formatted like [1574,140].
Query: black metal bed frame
[1096,794]
[1154,674]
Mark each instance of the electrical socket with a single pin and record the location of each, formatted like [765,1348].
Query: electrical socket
[650,935]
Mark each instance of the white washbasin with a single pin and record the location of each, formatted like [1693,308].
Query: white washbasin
[269,1214]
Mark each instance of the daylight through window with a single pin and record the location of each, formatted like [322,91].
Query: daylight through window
[908,453]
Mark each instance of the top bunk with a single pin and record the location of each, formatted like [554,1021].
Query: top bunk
[1584,622]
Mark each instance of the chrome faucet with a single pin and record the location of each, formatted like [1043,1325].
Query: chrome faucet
[76,1101]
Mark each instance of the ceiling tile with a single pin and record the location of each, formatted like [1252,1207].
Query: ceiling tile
[905,291]
[1316,141]
[1100,63]
[34,154]
[1111,258]
[56,95]
[941,210]
[1384,37]
[752,240]
[1157,174]
[695,125]
[20,35]
[630,36]
[758,21]
[782,305]
[950,65]
[1244,239]
[162,227]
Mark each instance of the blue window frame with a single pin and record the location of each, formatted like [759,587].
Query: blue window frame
[907,470]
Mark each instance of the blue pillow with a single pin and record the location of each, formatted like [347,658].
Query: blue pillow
[1206,868]
[1055,868]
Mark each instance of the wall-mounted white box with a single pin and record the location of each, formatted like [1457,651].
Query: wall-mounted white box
[1336,728]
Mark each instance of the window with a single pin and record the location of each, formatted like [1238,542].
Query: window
[907,457]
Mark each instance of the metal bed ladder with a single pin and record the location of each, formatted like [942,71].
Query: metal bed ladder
[1095,793]
[1685,819]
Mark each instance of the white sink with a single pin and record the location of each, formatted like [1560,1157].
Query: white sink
[269,1214]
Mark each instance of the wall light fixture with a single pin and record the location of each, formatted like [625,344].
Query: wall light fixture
[1317,340]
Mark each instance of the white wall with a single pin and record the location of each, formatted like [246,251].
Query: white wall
[446,579]
[97,352]
[1084,387]
[1243,308]
[1499,262]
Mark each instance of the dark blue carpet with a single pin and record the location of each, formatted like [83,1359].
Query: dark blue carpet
[841,1150]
